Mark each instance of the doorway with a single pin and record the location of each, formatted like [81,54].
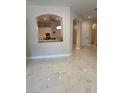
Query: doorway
[74,33]
[94,33]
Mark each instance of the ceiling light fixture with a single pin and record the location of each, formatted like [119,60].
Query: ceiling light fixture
[89,17]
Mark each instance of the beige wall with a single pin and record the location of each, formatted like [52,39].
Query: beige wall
[52,48]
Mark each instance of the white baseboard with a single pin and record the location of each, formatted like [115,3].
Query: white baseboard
[48,56]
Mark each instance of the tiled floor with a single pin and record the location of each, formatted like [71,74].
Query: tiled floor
[74,74]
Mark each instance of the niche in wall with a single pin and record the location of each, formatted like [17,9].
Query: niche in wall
[49,28]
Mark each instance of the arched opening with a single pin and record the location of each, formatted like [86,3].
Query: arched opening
[50,28]
[94,33]
[76,34]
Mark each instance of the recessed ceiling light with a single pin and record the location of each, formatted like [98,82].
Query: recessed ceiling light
[89,17]
[85,70]
[48,78]
[60,77]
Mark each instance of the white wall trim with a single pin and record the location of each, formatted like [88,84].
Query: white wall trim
[48,56]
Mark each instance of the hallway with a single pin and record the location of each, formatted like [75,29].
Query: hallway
[74,74]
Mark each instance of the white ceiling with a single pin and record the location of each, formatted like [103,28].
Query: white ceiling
[83,7]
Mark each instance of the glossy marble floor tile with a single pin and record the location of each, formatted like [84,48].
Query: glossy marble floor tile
[73,74]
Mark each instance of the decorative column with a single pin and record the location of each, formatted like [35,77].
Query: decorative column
[90,29]
[78,35]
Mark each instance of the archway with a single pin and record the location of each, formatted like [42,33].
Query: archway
[76,34]
[49,28]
